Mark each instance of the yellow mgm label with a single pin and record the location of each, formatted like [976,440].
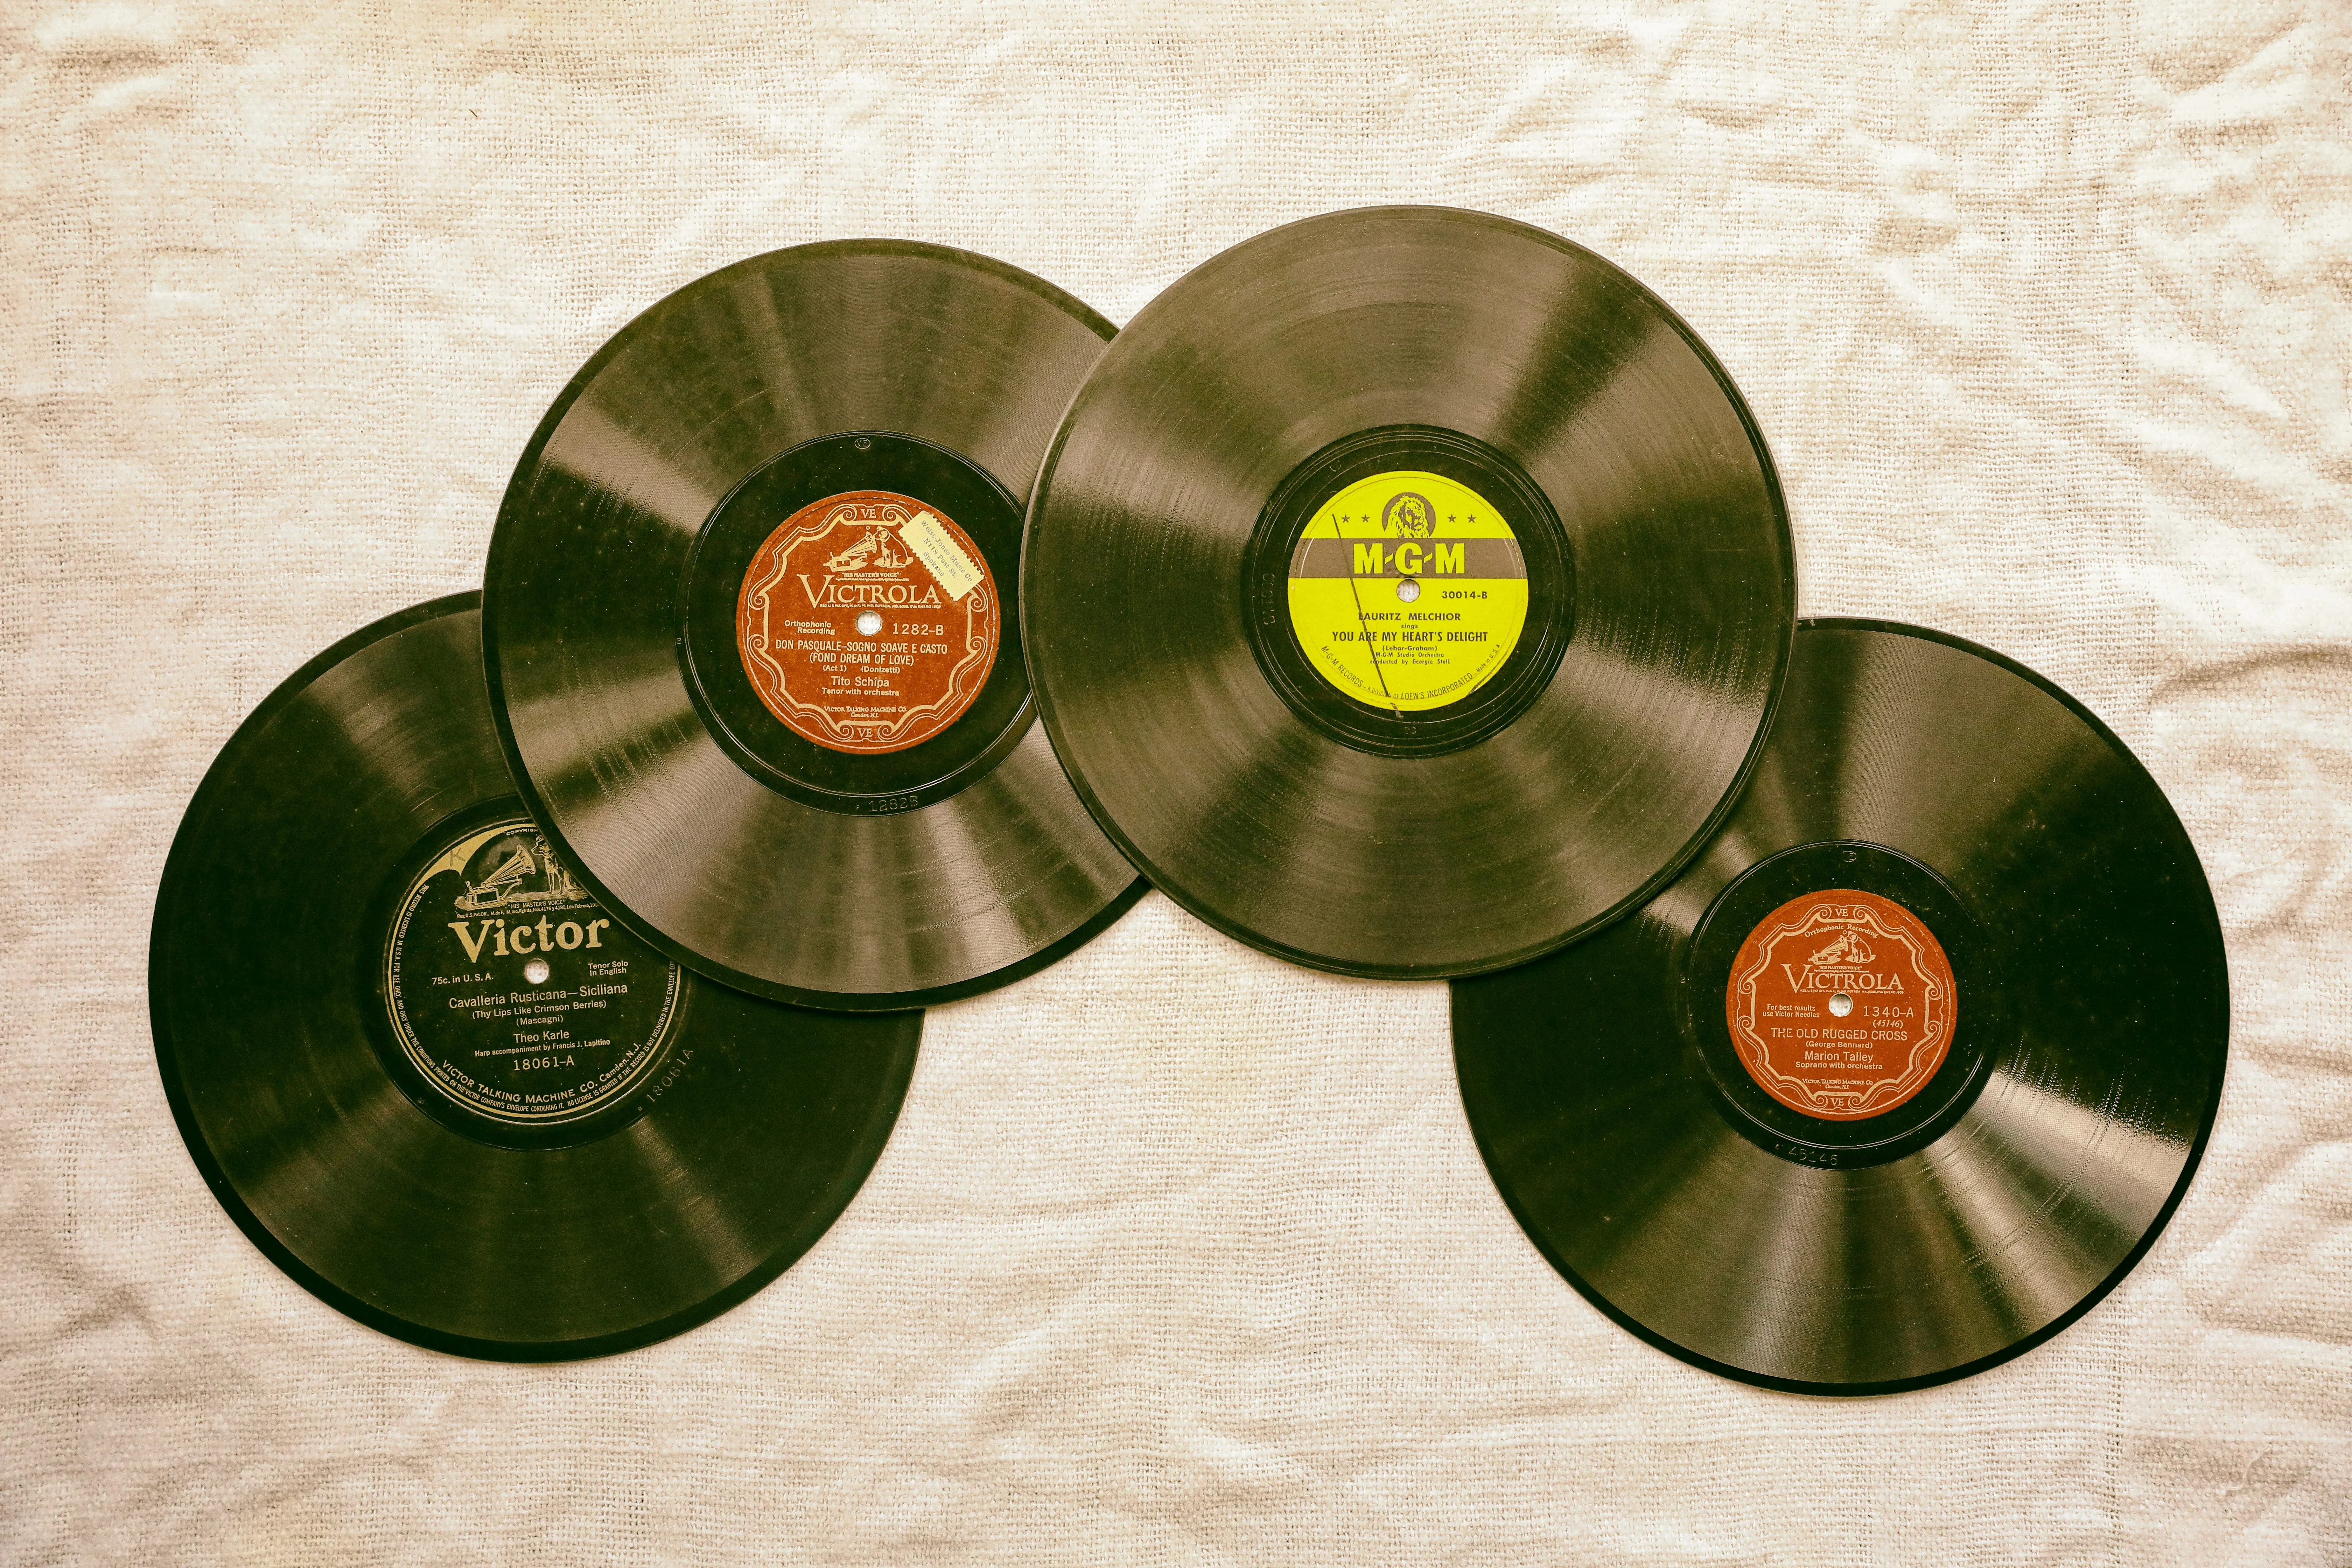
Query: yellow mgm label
[1408,591]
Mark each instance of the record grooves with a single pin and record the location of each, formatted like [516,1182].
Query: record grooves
[1408,591]
[1906,1071]
[432,1080]
[752,639]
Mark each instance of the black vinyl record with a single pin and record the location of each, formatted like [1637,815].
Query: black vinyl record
[751,633]
[1906,1071]
[1407,592]
[433,1080]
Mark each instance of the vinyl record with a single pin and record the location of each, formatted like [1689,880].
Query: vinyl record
[433,1080]
[751,633]
[1407,591]
[1906,1071]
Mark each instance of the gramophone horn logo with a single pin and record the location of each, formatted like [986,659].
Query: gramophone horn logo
[517,871]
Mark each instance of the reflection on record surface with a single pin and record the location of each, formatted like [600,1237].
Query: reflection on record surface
[752,637]
[428,1074]
[1905,1070]
[1407,591]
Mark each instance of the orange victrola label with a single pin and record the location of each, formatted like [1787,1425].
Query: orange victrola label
[867,622]
[1840,1004]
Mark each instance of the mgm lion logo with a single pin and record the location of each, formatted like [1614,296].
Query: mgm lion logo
[1409,514]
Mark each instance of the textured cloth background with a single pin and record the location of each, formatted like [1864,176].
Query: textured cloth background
[1178,1255]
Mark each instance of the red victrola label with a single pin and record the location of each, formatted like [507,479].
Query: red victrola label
[1840,1004]
[867,622]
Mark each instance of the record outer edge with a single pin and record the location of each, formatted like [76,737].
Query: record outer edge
[2092,1298]
[1706,831]
[828,1001]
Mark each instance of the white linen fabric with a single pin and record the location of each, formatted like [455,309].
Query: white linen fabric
[1178,1255]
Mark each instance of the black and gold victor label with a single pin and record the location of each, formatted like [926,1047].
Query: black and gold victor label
[511,992]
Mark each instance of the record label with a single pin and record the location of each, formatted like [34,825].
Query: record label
[1842,1005]
[514,995]
[867,622]
[1408,591]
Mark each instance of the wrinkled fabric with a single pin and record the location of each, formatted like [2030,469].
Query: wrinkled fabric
[1178,1255]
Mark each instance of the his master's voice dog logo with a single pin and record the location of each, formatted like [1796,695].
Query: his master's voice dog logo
[871,569]
[1832,965]
[877,552]
[1410,514]
[515,871]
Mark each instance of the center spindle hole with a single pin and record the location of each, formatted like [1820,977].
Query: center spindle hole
[868,622]
[1840,1004]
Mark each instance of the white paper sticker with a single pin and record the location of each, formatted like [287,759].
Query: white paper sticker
[945,558]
